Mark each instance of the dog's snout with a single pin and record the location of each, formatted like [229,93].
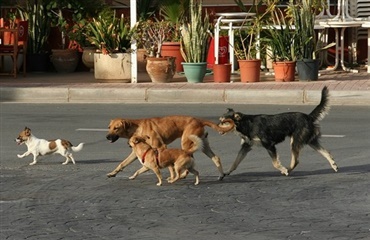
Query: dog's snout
[112,137]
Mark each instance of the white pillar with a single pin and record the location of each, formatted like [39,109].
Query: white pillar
[133,20]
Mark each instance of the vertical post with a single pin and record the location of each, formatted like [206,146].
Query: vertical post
[368,50]
[133,19]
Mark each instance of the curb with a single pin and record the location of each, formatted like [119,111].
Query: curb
[178,95]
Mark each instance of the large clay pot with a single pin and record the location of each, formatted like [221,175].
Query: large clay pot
[221,72]
[64,60]
[115,66]
[284,71]
[161,70]
[250,70]
[172,49]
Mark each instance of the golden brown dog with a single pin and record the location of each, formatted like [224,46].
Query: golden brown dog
[177,160]
[163,131]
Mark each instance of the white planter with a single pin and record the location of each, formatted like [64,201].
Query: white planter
[116,66]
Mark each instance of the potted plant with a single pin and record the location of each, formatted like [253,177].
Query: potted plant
[35,12]
[64,59]
[303,15]
[77,29]
[110,35]
[195,39]
[174,11]
[151,34]
[145,9]
[247,43]
[281,40]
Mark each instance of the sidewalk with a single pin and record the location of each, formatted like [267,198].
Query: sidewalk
[81,87]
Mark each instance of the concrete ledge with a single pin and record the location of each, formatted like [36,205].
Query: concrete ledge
[185,95]
[251,96]
[361,98]
[107,95]
[34,95]
[178,95]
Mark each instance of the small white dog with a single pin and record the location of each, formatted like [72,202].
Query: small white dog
[40,147]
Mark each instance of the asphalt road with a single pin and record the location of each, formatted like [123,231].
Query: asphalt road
[53,201]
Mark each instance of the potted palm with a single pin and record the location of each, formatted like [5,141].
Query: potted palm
[195,39]
[151,34]
[303,15]
[110,35]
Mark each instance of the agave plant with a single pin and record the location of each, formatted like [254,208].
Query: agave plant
[195,34]
[109,33]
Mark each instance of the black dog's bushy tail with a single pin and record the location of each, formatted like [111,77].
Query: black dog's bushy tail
[323,108]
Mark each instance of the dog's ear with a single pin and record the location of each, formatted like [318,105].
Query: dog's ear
[230,110]
[27,131]
[237,116]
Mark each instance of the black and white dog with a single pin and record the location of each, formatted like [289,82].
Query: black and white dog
[269,130]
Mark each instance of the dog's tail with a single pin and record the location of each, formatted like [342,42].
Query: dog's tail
[78,148]
[221,129]
[197,143]
[323,108]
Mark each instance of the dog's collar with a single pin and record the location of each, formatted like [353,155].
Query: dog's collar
[156,155]
[144,155]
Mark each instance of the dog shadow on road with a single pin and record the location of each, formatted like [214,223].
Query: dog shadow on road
[276,176]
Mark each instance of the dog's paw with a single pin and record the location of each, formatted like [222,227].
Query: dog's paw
[159,184]
[111,175]
[335,167]
[32,163]
[285,172]
[221,177]
[132,177]
[19,156]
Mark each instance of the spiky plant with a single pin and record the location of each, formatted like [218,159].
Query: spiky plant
[195,34]
[110,33]
[303,14]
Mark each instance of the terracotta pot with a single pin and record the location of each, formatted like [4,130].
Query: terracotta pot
[284,71]
[172,49]
[222,72]
[161,70]
[250,70]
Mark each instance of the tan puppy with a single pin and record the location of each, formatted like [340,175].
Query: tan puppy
[163,131]
[177,160]
[39,147]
